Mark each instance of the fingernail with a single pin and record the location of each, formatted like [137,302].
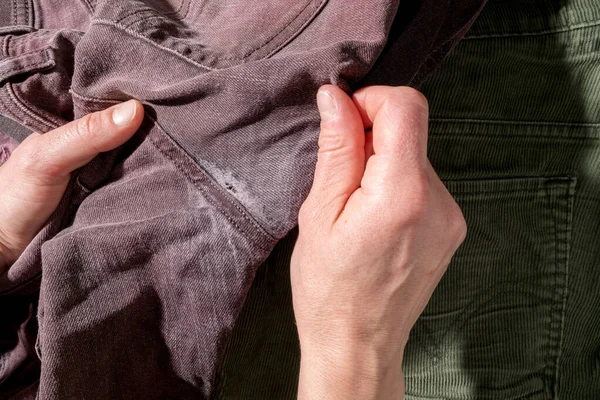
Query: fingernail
[327,105]
[123,114]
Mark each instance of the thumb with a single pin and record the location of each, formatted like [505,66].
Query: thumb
[63,150]
[341,158]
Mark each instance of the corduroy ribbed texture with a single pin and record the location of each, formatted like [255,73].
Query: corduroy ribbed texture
[514,133]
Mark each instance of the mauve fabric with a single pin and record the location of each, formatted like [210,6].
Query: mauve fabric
[7,145]
[144,266]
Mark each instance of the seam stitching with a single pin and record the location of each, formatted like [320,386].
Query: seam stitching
[515,122]
[310,17]
[538,33]
[569,194]
[250,52]
[5,40]
[24,108]
[259,46]
[24,68]
[144,38]
[89,6]
[210,180]
[93,99]
[152,10]
[204,191]
[45,50]
[509,136]
[300,29]
[492,192]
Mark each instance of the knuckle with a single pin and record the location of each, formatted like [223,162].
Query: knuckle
[418,198]
[457,223]
[89,126]
[412,210]
[329,142]
[417,98]
[410,99]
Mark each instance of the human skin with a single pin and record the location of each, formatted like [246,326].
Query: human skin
[35,177]
[376,234]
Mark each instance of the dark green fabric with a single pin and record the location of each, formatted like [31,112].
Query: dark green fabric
[515,135]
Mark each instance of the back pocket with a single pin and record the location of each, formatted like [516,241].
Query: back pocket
[492,329]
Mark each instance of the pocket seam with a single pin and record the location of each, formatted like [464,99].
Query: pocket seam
[286,40]
[557,193]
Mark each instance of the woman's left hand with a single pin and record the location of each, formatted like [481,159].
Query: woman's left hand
[34,179]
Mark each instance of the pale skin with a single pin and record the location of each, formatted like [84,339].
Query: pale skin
[376,232]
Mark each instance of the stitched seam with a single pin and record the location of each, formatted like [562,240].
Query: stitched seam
[509,136]
[94,99]
[425,68]
[310,17]
[243,212]
[538,33]
[44,50]
[566,233]
[147,18]
[308,21]
[492,192]
[144,38]
[230,58]
[132,13]
[204,191]
[21,285]
[153,12]
[89,6]
[518,397]
[260,46]
[5,40]
[23,68]
[23,106]
[29,13]
[515,122]
[553,310]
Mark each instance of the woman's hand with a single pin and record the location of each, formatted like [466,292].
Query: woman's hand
[34,178]
[377,232]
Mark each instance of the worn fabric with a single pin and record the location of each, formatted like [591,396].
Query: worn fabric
[142,269]
[514,134]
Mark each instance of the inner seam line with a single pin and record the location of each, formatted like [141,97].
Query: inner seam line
[24,108]
[262,231]
[445,135]
[538,33]
[204,191]
[515,122]
[219,188]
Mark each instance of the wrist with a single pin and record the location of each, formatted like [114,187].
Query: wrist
[350,370]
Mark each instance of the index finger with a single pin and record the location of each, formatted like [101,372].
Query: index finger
[398,117]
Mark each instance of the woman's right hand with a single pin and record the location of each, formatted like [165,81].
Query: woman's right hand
[376,234]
